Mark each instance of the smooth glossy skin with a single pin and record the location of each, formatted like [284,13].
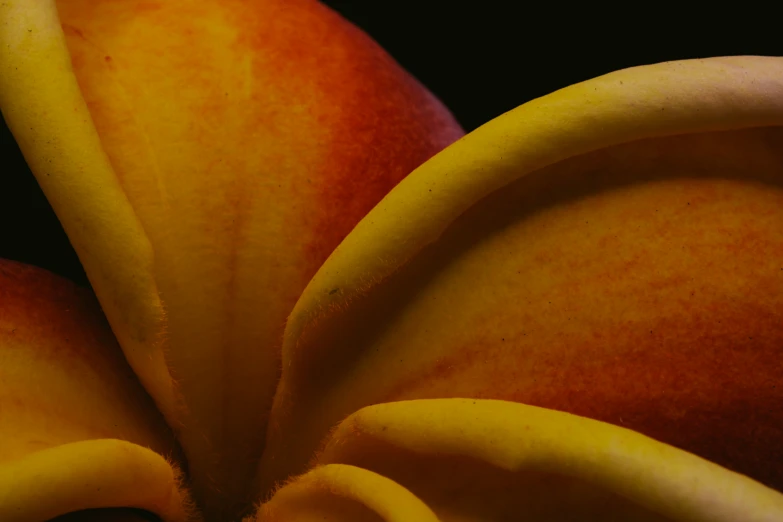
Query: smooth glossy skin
[570,313]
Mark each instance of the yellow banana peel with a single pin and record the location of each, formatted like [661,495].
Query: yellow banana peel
[570,313]
[78,431]
[177,175]
[513,461]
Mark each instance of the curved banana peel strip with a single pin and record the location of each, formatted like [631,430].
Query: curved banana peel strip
[155,262]
[610,250]
[44,108]
[336,492]
[495,460]
[91,474]
[78,430]
[204,159]
[672,98]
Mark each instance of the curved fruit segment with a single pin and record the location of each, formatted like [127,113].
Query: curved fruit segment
[205,157]
[340,493]
[77,430]
[495,460]
[611,250]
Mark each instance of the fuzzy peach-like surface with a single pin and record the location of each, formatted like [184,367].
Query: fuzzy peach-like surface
[570,311]
[53,332]
[635,280]
[78,429]
[249,138]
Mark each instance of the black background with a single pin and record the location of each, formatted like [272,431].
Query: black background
[480,58]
